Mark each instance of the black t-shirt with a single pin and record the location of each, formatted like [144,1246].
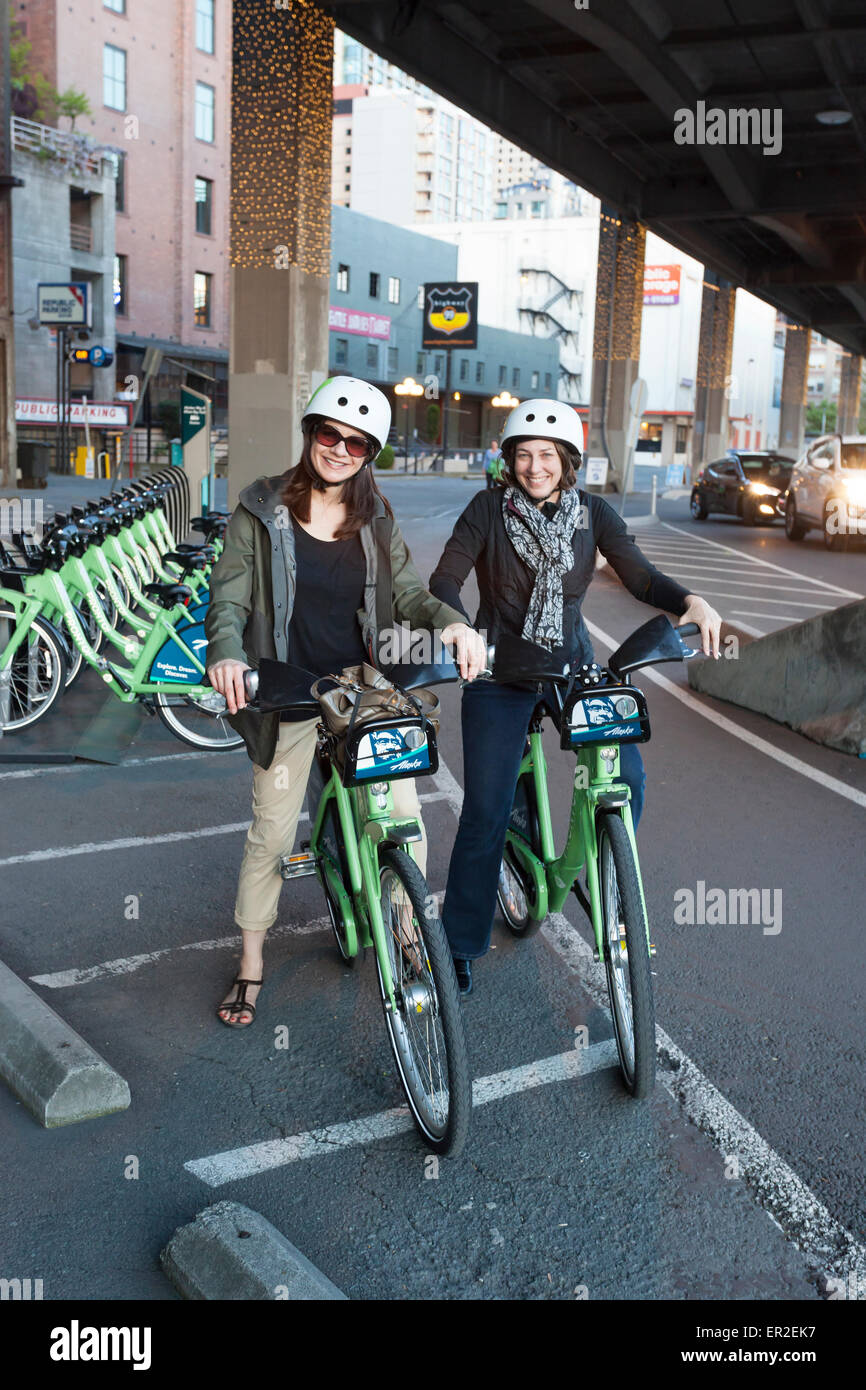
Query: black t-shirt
[324,634]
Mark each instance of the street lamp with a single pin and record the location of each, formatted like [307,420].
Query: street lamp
[408,387]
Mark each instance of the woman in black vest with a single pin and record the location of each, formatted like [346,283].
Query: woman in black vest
[533,547]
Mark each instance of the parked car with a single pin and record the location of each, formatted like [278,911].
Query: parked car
[744,483]
[827,490]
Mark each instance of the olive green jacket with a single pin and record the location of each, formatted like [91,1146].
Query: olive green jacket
[252,592]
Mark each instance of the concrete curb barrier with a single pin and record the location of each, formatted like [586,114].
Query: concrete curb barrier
[58,1075]
[231,1252]
[810,676]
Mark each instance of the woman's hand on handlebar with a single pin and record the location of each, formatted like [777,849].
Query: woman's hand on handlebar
[707,619]
[228,678]
[470,653]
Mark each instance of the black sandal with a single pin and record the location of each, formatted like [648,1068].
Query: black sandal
[239,1005]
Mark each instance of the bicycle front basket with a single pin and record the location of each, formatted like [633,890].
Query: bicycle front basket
[385,750]
[616,714]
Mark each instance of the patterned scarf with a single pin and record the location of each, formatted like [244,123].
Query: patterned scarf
[546,547]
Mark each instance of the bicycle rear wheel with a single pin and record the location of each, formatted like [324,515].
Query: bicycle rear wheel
[37,673]
[426,1028]
[200,723]
[626,956]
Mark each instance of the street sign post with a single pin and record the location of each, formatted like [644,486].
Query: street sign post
[195,438]
[67,305]
[450,321]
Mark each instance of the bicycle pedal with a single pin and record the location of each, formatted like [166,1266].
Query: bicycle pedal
[297,865]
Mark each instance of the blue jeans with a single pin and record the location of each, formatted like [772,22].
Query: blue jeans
[495,720]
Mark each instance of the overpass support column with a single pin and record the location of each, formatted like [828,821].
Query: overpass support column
[795,381]
[616,340]
[713,372]
[282,102]
[848,413]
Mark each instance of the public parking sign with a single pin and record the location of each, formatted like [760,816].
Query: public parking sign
[64,304]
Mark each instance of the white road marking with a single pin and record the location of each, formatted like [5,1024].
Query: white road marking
[767,564]
[128,842]
[234,1164]
[127,965]
[747,613]
[728,726]
[745,627]
[763,598]
[105,767]
[801,1217]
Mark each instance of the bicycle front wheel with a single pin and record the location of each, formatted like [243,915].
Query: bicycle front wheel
[199,723]
[36,676]
[426,1028]
[626,956]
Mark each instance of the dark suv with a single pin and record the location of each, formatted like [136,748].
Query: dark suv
[744,484]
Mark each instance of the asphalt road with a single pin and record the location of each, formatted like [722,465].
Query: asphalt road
[741,1177]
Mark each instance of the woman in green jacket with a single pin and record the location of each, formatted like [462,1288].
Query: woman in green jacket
[316,573]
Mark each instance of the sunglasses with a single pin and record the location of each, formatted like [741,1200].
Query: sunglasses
[355,444]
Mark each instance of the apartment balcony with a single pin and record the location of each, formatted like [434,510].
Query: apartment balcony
[80,236]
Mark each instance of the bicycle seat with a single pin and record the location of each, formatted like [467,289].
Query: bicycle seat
[188,549]
[188,560]
[209,525]
[167,595]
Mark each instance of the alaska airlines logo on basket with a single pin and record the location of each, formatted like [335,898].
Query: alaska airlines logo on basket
[392,750]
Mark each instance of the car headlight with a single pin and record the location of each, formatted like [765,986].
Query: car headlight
[763,490]
[856,489]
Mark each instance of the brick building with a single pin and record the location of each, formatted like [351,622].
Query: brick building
[157,76]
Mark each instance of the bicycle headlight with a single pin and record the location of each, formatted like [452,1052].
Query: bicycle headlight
[626,707]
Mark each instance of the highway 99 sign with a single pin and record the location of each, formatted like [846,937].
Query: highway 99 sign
[450,314]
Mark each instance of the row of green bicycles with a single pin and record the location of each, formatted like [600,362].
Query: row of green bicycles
[109,587]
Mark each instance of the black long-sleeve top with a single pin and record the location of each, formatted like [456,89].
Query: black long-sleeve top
[505,583]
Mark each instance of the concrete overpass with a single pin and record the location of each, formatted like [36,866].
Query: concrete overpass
[643,102]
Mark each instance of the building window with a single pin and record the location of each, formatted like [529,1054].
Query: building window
[464,368]
[203,205]
[392,361]
[374,284]
[373,356]
[120,286]
[341,351]
[393,289]
[420,364]
[537,209]
[438,365]
[204,112]
[479,373]
[515,376]
[535,381]
[117,159]
[343,279]
[119,6]
[202,299]
[420,296]
[547,381]
[114,77]
[204,25]
[680,446]
[502,375]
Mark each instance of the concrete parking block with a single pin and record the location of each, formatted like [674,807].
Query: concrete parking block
[58,1075]
[231,1252]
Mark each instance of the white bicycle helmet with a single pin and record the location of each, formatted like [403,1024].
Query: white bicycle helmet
[352,402]
[545,419]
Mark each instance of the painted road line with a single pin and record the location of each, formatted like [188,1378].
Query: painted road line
[768,564]
[762,598]
[747,613]
[745,627]
[234,1164]
[803,1219]
[128,842]
[128,762]
[127,965]
[728,726]
[750,583]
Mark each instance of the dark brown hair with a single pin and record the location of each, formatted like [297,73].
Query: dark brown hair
[569,458]
[359,491]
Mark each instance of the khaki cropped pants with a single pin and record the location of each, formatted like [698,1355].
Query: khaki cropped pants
[278,796]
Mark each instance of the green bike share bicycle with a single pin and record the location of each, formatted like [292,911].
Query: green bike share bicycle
[43,630]
[374,890]
[595,709]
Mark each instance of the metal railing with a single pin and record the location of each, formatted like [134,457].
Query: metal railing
[80,236]
[77,153]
